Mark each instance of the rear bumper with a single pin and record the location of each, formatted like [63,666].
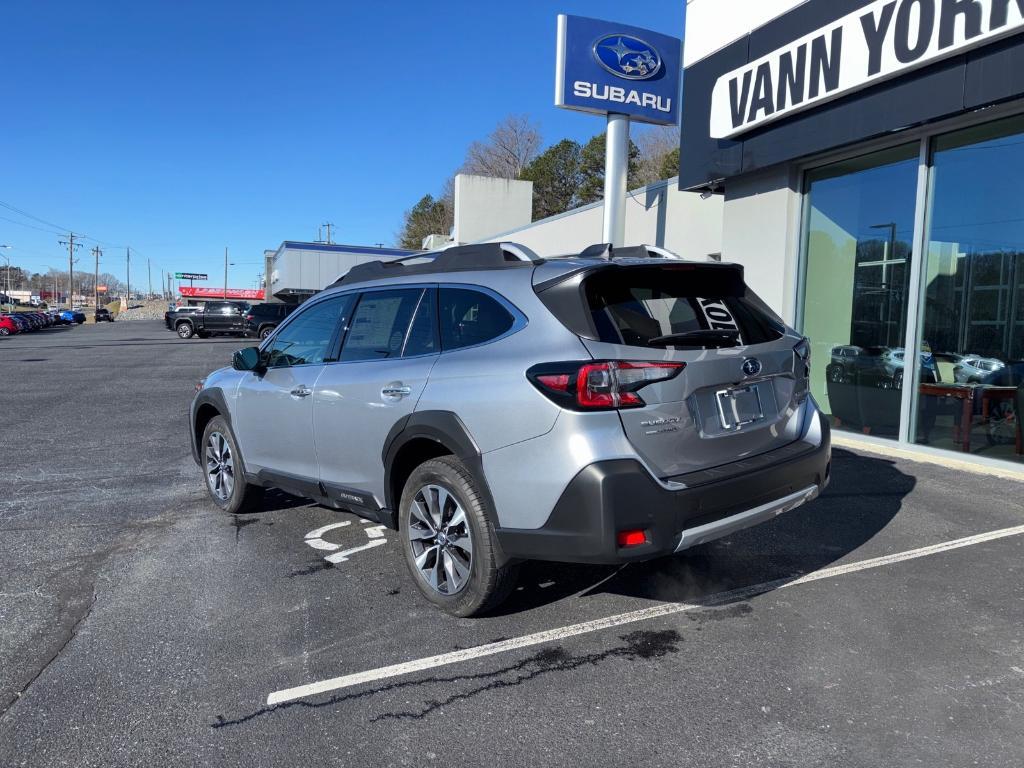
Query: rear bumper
[618,495]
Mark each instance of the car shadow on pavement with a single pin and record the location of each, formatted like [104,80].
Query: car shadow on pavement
[274,500]
[865,494]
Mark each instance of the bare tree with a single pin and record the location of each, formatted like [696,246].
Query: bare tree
[656,145]
[512,146]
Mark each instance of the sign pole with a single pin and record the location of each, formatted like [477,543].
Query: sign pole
[616,169]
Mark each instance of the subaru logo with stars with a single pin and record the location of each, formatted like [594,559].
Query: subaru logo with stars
[751,366]
[627,57]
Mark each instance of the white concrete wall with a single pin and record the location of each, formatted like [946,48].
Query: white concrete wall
[484,205]
[658,215]
[761,231]
[312,270]
[713,24]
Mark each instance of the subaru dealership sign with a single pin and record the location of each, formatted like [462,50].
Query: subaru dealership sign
[605,68]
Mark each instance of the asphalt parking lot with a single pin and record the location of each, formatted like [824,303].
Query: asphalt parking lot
[140,626]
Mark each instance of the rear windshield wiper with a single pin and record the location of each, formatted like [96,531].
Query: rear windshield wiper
[697,339]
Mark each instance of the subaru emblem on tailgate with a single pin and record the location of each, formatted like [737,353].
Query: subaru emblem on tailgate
[751,366]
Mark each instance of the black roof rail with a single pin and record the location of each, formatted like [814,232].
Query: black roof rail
[460,258]
[608,252]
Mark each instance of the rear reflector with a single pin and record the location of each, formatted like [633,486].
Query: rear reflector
[632,538]
[603,385]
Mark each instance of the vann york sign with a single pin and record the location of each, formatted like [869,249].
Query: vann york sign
[880,41]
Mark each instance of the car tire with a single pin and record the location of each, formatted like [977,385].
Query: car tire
[224,469]
[184,330]
[264,332]
[202,335]
[5,332]
[468,549]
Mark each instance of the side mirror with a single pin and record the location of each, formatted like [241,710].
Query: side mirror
[248,359]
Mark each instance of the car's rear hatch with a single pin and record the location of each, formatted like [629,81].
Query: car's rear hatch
[740,392]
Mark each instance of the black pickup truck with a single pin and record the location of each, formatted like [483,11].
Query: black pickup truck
[217,317]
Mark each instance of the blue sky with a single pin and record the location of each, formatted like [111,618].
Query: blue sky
[180,128]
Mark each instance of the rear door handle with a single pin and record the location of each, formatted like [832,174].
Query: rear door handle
[396,389]
[302,391]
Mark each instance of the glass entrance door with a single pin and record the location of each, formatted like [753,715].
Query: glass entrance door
[858,244]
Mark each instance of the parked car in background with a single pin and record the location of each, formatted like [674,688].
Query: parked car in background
[173,313]
[974,370]
[262,319]
[7,326]
[216,318]
[73,316]
[893,362]
[103,315]
[844,362]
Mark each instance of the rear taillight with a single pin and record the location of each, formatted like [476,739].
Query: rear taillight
[605,385]
[802,369]
[248,318]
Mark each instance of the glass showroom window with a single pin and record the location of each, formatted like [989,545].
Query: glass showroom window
[972,330]
[858,239]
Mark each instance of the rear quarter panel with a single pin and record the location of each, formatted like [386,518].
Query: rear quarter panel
[486,385]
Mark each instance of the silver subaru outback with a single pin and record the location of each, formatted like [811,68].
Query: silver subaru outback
[494,406]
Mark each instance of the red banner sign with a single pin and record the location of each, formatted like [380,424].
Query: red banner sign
[218,293]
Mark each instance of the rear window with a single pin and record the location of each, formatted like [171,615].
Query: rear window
[636,306]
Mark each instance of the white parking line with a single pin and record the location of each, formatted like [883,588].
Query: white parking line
[341,557]
[665,609]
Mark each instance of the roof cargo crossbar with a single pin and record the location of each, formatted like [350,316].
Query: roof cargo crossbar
[460,258]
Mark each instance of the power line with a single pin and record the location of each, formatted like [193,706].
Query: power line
[26,214]
[32,226]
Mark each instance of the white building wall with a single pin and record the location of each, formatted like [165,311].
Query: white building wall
[761,226]
[658,215]
[299,269]
[484,205]
[713,24]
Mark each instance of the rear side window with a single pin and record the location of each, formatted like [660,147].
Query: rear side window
[647,306]
[469,317]
[380,324]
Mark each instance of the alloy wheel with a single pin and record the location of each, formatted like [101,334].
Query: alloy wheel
[220,466]
[439,535]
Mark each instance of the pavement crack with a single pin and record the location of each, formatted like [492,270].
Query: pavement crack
[72,633]
[638,645]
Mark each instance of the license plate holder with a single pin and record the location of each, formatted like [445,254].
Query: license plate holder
[739,406]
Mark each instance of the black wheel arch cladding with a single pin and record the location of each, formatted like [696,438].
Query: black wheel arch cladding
[447,430]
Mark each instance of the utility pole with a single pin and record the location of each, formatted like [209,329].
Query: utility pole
[225,272]
[7,274]
[96,282]
[128,276]
[72,245]
[149,276]
[328,225]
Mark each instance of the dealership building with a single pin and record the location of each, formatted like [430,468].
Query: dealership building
[869,156]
